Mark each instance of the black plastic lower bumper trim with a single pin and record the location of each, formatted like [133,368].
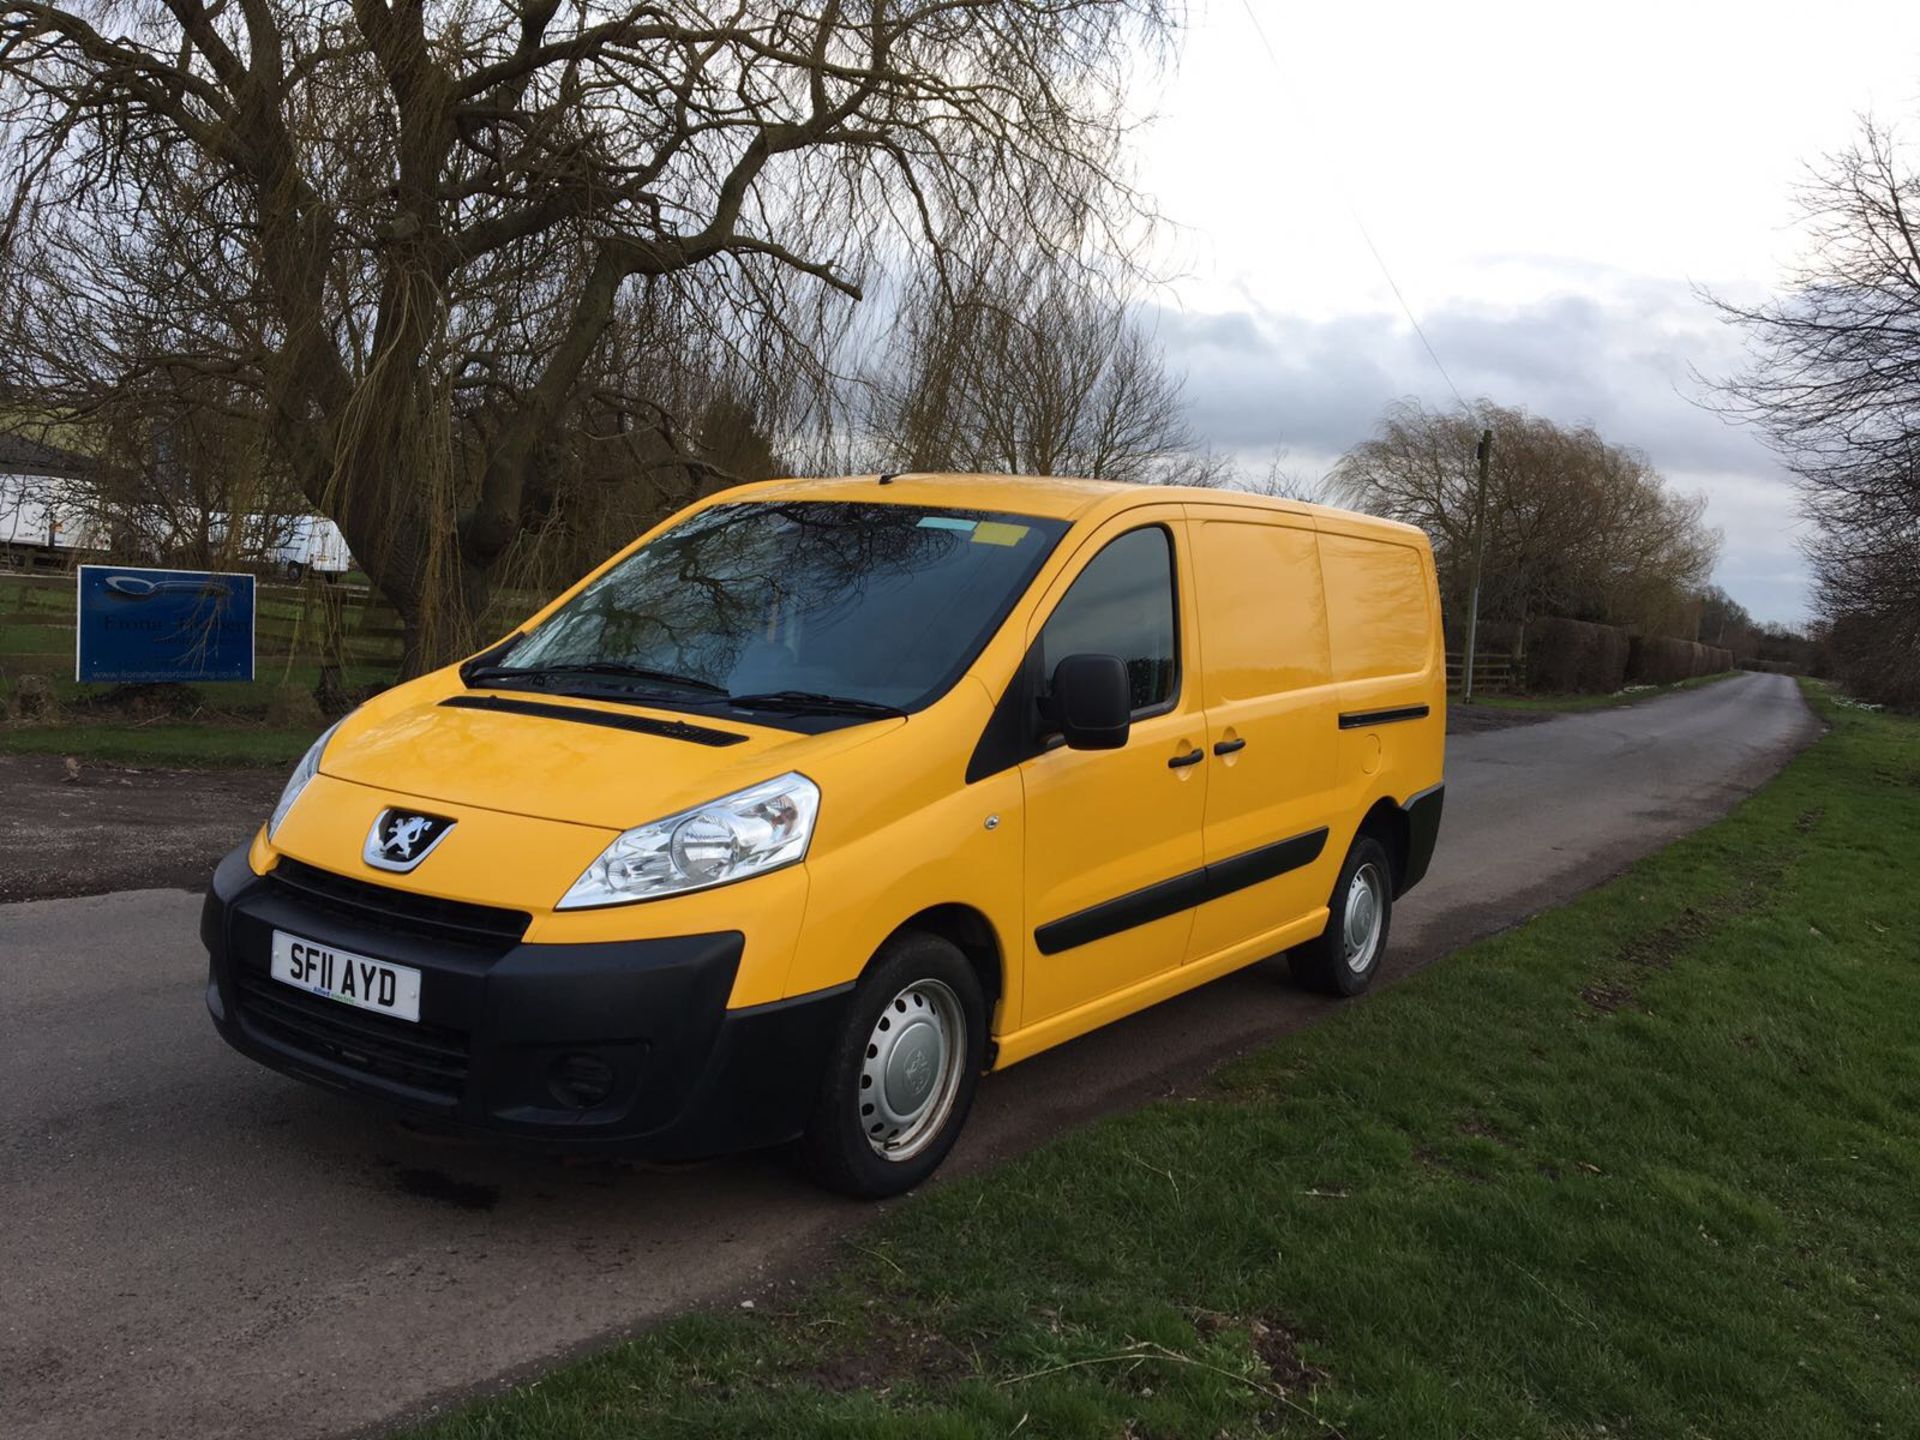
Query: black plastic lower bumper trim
[1423,833]
[505,1030]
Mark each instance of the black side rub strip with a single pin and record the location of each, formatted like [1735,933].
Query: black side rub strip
[1110,917]
[580,715]
[1182,892]
[1362,719]
[1226,876]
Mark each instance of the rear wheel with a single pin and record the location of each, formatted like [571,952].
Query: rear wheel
[1342,959]
[901,1077]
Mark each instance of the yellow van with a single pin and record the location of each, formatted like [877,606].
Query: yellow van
[827,796]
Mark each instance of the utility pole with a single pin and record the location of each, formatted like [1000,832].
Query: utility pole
[1479,559]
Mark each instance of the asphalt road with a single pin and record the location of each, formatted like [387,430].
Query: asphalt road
[193,1246]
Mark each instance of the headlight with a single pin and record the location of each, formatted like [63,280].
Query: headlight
[747,833]
[308,767]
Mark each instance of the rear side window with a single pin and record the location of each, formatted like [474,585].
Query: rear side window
[1377,615]
[1122,604]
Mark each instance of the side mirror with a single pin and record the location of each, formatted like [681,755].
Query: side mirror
[1092,701]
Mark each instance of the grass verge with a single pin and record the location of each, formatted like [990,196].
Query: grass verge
[162,744]
[1644,1166]
[202,725]
[1630,696]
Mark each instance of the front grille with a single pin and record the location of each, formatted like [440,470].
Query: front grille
[430,1058]
[384,908]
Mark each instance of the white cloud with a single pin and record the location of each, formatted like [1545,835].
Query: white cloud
[1547,183]
[1621,358]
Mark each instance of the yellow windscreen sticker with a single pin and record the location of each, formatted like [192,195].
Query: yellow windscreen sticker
[998,532]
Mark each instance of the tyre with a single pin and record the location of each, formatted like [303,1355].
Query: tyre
[900,1079]
[1342,959]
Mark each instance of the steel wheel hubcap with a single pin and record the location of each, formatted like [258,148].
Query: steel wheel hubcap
[912,1069]
[1366,910]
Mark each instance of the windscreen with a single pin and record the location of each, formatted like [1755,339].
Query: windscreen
[882,603]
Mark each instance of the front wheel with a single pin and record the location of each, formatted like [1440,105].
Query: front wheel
[901,1077]
[1341,960]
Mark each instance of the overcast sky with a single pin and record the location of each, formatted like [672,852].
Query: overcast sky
[1547,183]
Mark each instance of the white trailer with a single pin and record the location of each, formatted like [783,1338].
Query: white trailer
[50,514]
[47,519]
[316,544]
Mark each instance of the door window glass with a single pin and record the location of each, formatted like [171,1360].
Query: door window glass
[1122,604]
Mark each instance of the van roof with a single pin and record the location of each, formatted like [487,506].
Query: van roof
[1058,497]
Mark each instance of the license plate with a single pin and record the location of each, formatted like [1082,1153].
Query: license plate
[358,980]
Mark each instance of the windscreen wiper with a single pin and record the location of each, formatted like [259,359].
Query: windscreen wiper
[489,658]
[805,702]
[543,674]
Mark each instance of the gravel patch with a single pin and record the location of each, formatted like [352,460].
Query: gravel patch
[68,828]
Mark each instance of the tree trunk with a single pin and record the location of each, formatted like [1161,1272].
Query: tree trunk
[442,610]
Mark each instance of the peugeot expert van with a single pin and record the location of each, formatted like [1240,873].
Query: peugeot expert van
[828,796]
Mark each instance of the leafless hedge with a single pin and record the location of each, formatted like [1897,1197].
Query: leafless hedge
[1575,657]
[1662,660]
[1876,655]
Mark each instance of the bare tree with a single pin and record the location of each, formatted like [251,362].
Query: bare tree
[408,232]
[1574,526]
[1725,622]
[1283,480]
[1834,386]
[1034,364]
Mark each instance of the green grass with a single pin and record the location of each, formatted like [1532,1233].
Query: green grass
[1646,1166]
[163,743]
[35,640]
[1597,702]
[218,724]
[223,700]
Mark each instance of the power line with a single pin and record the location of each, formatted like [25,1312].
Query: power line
[1353,213]
[1432,354]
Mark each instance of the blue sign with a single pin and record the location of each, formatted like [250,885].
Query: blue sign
[141,626]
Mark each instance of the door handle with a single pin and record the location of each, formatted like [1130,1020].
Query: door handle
[1229,747]
[1192,757]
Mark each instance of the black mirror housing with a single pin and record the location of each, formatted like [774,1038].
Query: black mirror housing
[1092,701]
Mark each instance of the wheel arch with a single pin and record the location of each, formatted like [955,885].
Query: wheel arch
[970,932]
[1387,822]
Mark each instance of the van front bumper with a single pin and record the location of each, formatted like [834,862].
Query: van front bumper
[627,1046]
